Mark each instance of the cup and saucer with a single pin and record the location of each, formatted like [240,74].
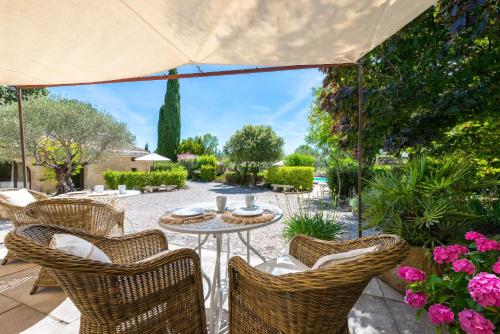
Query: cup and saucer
[250,209]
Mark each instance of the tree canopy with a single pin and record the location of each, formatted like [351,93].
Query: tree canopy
[421,85]
[61,134]
[199,145]
[8,94]
[169,121]
[254,144]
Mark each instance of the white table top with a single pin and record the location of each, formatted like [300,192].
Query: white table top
[93,194]
[217,225]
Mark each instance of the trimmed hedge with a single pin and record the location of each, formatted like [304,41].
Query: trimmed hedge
[298,159]
[299,177]
[138,180]
[208,173]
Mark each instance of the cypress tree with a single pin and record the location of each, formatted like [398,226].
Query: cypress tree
[169,122]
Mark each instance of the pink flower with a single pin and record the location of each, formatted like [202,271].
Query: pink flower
[474,323]
[415,299]
[449,253]
[484,245]
[463,265]
[496,266]
[441,314]
[485,289]
[472,235]
[410,274]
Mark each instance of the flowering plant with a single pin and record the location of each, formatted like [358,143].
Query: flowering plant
[466,297]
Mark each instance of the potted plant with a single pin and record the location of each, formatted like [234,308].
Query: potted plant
[465,298]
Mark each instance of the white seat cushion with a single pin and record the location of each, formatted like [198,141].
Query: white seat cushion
[282,265]
[337,258]
[77,246]
[21,197]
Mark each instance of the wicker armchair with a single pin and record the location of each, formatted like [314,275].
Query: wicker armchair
[316,301]
[158,295]
[16,214]
[85,214]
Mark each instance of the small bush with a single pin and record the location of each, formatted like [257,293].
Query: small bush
[166,166]
[298,159]
[207,160]
[312,218]
[208,173]
[188,161]
[299,177]
[138,180]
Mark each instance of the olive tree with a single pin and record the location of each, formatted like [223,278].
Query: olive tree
[61,134]
[253,145]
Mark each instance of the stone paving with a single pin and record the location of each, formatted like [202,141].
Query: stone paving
[380,309]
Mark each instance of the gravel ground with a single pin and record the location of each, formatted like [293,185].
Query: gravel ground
[142,212]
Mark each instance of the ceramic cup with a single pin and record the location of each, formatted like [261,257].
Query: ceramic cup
[122,189]
[221,203]
[99,188]
[249,201]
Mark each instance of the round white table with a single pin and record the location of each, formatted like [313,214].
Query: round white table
[217,228]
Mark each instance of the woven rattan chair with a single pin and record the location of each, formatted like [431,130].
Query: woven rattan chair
[315,301]
[16,214]
[158,295]
[85,214]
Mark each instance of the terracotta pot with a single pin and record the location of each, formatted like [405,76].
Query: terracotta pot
[416,258]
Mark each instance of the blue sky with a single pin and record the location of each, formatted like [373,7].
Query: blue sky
[218,105]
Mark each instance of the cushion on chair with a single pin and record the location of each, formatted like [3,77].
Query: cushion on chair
[77,246]
[338,258]
[282,265]
[157,255]
[21,197]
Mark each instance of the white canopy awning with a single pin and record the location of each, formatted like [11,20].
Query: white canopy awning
[72,41]
[152,157]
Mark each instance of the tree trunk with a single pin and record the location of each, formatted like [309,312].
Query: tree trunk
[64,182]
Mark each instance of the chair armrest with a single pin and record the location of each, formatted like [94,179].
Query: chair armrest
[308,250]
[133,247]
[38,195]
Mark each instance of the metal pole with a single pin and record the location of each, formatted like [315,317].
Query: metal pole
[360,146]
[21,134]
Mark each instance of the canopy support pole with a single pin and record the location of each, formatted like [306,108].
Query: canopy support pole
[360,146]
[21,135]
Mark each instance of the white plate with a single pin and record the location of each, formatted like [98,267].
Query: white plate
[188,212]
[245,212]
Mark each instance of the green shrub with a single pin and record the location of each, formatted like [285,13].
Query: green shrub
[208,173]
[137,180]
[166,166]
[347,171]
[207,160]
[318,220]
[298,159]
[299,177]
[424,201]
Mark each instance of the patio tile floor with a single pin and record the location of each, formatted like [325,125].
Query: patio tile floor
[379,309]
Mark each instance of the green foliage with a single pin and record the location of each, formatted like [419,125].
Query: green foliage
[298,159]
[438,72]
[254,144]
[169,122]
[199,145]
[318,220]
[210,143]
[146,147]
[208,173]
[166,166]
[191,145]
[207,160]
[343,177]
[137,180]
[300,177]
[188,161]
[61,134]
[306,149]
[8,94]
[424,201]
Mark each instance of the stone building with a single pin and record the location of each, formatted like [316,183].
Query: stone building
[91,174]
